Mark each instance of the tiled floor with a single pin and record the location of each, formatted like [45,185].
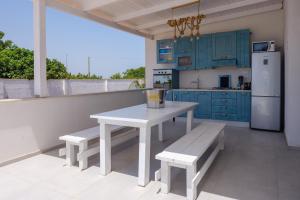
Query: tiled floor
[254,165]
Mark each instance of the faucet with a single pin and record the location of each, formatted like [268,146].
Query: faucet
[197,82]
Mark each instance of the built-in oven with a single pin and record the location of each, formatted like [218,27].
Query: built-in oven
[165,78]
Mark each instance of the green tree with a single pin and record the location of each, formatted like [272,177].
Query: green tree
[83,76]
[117,76]
[4,44]
[137,73]
[18,63]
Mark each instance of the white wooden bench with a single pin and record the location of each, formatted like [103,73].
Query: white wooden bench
[185,153]
[81,139]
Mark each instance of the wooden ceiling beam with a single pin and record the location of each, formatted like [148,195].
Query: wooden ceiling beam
[235,15]
[89,5]
[208,11]
[87,15]
[153,9]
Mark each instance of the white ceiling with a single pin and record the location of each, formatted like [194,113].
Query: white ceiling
[148,17]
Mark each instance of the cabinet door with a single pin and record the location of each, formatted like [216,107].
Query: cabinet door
[204,52]
[203,110]
[165,51]
[169,95]
[224,46]
[243,48]
[185,96]
[184,45]
[185,54]
[244,106]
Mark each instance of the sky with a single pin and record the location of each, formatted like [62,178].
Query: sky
[110,50]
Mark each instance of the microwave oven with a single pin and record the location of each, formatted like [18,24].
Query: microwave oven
[263,46]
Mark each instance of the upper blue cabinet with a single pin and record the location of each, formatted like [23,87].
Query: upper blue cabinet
[209,51]
[204,52]
[165,51]
[224,46]
[243,48]
[184,51]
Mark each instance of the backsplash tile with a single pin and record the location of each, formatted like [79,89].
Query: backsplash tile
[209,78]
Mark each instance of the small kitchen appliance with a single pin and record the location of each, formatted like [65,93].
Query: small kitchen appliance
[266,109]
[165,78]
[240,82]
[263,46]
[156,98]
[224,81]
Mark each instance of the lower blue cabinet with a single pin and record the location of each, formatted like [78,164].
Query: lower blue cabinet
[186,96]
[228,106]
[244,106]
[169,95]
[203,110]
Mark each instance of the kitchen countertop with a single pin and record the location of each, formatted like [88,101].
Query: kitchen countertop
[211,90]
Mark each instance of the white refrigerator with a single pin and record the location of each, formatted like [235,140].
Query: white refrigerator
[266,91]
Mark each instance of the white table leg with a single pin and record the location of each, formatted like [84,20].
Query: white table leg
[144,156]
[189,121]
[165,174]
[105,149]
[160,132]
[191,172]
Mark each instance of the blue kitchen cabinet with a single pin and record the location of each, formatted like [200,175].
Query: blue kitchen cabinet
[243,48]
[224,45]
[185,96]
[218,105]
[165,51]
[169,95]
[204,52]
[224,106]
[209,51]
[244,106]
[203,110]
[184,53]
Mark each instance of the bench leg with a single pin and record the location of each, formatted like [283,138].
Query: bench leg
[191,191]
[70,154]
[165,177]
[160,132]
[221,140]
[83,161]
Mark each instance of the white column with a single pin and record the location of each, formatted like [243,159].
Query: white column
[292,71]
[39,24]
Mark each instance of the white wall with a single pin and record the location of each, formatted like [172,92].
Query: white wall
[292,72]
[20,89]
[28,126]
[267,26]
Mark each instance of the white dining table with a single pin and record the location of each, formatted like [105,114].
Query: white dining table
[144,118]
